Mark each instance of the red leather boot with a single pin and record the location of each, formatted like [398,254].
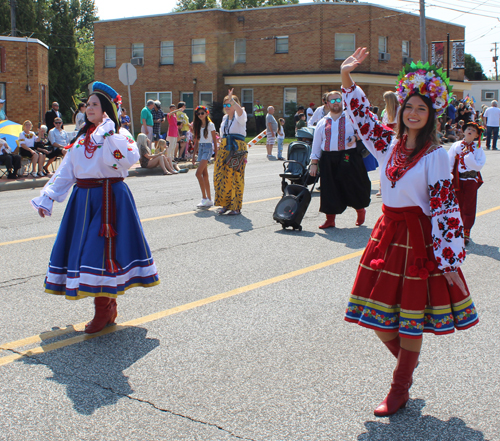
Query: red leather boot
[393,346]
[105,314]
[401,383]
[329,223]
[361,217]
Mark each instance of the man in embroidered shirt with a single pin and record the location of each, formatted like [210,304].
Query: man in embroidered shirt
[344,181]
[147,119]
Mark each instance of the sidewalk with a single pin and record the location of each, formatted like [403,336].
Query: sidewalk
[29,182]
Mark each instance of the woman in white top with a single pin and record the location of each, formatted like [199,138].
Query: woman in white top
[205,141]
[100,250]
[80,117]
[229,173]
[409,279]
[27,149]
[391,111]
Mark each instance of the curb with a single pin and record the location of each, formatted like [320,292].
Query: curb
[31,183]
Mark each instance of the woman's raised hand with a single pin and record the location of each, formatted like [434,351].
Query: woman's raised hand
[230,93]
[354,60]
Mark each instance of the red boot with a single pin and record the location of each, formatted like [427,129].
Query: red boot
[393,346]
[330,222]
[361,217]
[401,383]
[105,314]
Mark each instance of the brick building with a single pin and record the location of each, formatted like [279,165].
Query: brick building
[24,78]
[284,55]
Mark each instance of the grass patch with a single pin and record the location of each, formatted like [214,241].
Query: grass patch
[263,140]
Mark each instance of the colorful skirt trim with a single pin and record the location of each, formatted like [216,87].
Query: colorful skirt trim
[77,266]
[392,299]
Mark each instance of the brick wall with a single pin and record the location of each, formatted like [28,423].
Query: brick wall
[311,30]
[25,75]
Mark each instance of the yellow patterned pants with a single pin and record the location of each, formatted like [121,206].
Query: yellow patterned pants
[229,183]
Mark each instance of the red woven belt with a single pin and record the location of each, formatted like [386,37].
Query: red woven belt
[108,217]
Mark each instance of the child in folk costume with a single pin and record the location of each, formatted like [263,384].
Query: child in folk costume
[100,250]
[409,281]
[467,158]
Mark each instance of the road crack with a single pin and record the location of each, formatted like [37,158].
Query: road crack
[37,361]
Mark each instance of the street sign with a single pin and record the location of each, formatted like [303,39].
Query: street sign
[127,74]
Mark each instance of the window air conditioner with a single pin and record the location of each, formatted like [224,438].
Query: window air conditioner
[407,60]
[137,61]
[384,56]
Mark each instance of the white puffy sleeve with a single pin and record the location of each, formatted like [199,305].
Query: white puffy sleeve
[452,154]
[475,160]
[447,226]
[375,136]
[119,149]
[58,186]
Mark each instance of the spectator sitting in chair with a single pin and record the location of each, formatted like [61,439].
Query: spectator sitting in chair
[27,149]
[42,144]
[12,162]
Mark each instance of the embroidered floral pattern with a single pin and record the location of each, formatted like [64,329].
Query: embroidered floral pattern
[117,154]
[386,319]
[110,133]
[411,324]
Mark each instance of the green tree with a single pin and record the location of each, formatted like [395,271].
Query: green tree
[472,66]
[64,72]
[192,5]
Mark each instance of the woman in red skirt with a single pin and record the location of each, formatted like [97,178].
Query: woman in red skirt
[409,281]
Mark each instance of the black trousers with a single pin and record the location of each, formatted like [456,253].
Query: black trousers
[344,182]
[260,123]
[11,161]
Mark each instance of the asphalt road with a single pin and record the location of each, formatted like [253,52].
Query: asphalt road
[243,339]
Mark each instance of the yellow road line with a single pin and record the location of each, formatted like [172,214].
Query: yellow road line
[80,327]
[162,314]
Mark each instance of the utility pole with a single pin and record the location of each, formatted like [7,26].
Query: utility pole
[13,32]
[423,42]
[495,60]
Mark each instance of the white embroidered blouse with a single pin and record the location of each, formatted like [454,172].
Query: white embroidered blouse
[319,139]
[467,161]
[427,185]
[114,155]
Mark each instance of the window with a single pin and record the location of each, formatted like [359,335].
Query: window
[3,95]
[109,56]
[247,100]
[405,48]
[240,50]
[198,50]
[137,50]
[164,97]
[167,52]
[206,99]
[382,45]
[282,45]
[345,45]
[486,95]
[290,100]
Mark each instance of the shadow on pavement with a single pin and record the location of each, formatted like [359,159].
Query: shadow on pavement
[484,250]
[353,237]
[238,222]
[92,371]
[409,424]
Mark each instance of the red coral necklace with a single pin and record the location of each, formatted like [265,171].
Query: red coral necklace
[90,147]
[400,161]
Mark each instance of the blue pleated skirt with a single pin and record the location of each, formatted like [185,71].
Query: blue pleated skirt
[77,264]
[370,163]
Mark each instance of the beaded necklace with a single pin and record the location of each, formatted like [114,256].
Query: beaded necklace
[400,161]
[90,147]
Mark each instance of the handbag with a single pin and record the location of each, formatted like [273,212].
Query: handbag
[236,159]
[361,149]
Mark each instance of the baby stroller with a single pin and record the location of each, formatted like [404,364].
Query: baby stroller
[299,154]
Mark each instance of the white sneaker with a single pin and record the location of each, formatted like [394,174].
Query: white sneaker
[208,203]
[202,203]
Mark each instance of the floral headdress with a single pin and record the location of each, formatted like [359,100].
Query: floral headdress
[479,128]
[110,94]
[425,80]
[205,109]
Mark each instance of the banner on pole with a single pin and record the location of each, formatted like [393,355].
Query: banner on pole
[437,53]
[458,55]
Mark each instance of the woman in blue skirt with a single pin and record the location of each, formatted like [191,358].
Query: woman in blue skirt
[100,250]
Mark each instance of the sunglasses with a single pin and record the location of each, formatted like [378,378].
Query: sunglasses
[58,122]
[336,100]
[226,105]
[200,113]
